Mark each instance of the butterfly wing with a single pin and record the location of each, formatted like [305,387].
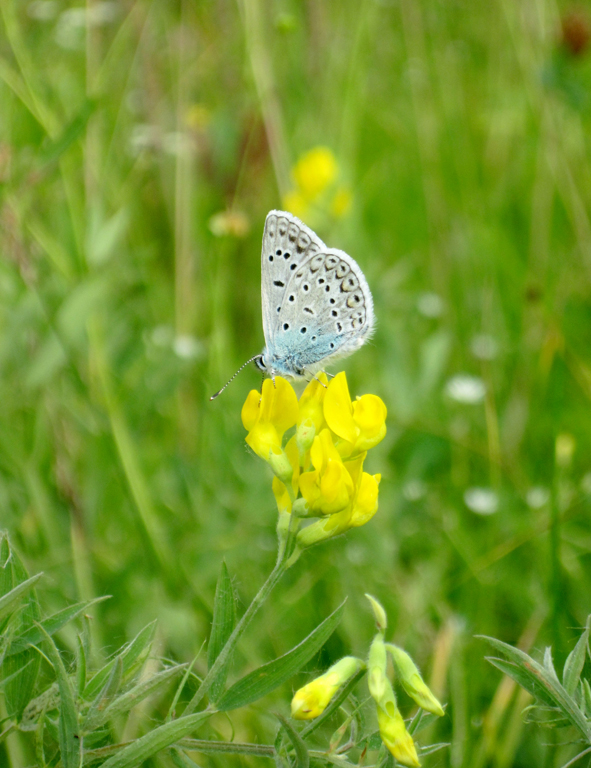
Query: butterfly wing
[287,243]
[326,311]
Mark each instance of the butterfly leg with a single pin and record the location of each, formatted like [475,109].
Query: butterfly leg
[316,378]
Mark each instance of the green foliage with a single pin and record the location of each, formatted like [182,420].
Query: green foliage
[557,703]
[462,131]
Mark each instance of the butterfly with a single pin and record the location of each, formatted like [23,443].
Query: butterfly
[317,306]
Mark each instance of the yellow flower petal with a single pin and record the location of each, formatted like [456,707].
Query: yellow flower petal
[338,409]
[268,415]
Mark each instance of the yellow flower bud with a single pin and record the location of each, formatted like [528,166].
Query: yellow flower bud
[395,736]
[412,682]
[378,612]
[311,700]
[378,683]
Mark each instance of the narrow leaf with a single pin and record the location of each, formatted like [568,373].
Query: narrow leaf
[268,677]
[224,619]
[549,663]
[126,701]
[525,679]
[49,626]
[12,598]
[159,738]
[70,744]
[300,749]
[96,710]
[537,675]
[133,656]
[575,662]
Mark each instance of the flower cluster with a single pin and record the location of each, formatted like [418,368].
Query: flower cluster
[319,473]
[311,700]
[314,177]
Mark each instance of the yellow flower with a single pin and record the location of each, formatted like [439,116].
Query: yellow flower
[361,424]
[311,700]
[314,172]
[311,414]
[329,487]
[363,506]
[412,682]
[267,416]
[296,203]
[396,737]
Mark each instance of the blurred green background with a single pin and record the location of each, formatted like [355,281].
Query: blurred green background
[141,147]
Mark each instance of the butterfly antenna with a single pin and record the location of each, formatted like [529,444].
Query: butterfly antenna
[219,392]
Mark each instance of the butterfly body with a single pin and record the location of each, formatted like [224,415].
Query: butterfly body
[317,306]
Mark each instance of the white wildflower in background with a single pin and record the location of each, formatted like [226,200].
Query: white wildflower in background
[484,347]
[71,24]
[537,497]
[177,143]
[482,501]
[42,10]
[162,336]
[187,347]
[143,136]
[430,305]
[464,388]
[414,490]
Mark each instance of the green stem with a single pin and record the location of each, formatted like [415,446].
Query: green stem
[258,600]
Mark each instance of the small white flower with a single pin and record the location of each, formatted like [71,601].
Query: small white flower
[414,490]
[537,497]
[484,347]
[187,347]
[42,10]
[482,501]
[430,305]
[162,336]
[464,388]
[177,143]
[143,136]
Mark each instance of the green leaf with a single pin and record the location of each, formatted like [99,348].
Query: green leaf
[224,619]
[126,701]
[94,716]
[20,670]
[268,677]
[9,601]
[523,678]
[300,749]
[159,738]
[69,135]
[575,662]
[539,682]
[70,744]
[133,657]
[50,626]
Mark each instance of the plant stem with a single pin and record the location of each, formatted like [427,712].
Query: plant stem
[258,600]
